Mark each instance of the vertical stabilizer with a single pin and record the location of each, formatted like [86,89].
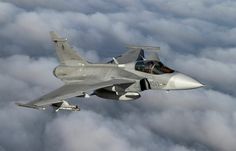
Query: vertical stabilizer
[65,53]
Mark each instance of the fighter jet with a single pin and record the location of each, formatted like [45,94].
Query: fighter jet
[122,78]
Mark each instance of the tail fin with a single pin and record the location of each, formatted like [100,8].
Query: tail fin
[65,53]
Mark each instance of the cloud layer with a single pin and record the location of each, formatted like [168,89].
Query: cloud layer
[197,38]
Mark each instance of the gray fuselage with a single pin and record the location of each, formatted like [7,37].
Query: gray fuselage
[142,81]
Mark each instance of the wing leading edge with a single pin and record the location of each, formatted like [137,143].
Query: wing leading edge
[71,90]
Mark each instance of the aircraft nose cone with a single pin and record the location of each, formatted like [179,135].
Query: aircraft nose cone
[181,81]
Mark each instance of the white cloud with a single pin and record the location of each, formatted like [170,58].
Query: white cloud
[215,72]
[23,77]
[199,120]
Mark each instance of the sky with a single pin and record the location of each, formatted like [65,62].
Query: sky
[196,37]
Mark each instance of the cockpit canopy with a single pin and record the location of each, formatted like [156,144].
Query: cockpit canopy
[152,67]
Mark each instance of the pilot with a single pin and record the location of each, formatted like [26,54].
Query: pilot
[149,66]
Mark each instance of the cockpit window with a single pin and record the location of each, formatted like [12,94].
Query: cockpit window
[153,67]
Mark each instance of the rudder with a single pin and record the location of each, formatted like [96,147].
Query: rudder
[65,53]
